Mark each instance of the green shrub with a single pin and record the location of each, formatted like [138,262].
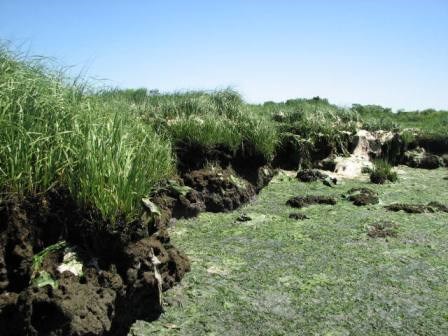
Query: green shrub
[382,172]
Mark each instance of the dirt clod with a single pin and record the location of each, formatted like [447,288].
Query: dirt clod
[174,199]
[298,216]
[382,229]
[420,158]
[431,207]
[438,206]
[244,218]
[362,196]
[310,175]
[303,201]
[221,189]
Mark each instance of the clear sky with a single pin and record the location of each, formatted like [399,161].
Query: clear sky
[388,52]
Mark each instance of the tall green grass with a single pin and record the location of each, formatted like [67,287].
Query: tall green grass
[55,134]
[218,118]
[110,147]
[430,121]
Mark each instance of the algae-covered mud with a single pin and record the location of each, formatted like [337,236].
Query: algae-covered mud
[346,270]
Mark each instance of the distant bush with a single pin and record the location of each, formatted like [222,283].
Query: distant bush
[382,172]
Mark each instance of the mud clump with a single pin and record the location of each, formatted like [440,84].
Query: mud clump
[61,274]
[303,201]
[328,163]
[209,189]
[312,175]
[75,307]
[431,207]
[438,206]
[445,159]
[298,216]
[221,189]
[419,158]
[382,229]
[244,218]
[362,196]
[173,199]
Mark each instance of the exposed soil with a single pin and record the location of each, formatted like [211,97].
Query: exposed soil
[433,144]
[192,156]
[125,266]
[420,158]
[295,151]
[244,218]
[398,151]
[175,200]
[445,159]
[221,189]
[303,201]
[298,216]
[310,175]
[431,207]
[382,229]
[123,274]
[378,178]
[438,206]
[246,161]
[362,196]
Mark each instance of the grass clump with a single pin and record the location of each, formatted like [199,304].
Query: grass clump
[382,229]
[55,134]
[209,119]
[382,172]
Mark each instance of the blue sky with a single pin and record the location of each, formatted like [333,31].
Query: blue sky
[388,52]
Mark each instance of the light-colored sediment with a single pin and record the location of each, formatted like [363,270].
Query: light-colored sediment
[351,167]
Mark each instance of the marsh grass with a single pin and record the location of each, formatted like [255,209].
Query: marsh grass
[110,146]
[382,172]
[209,119]
[56,134]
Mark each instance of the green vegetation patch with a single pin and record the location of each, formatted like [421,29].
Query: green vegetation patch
[57,134]
[272,275]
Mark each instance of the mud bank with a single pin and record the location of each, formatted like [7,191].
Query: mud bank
[423,151]
[212,189]
[354,152]
[64,271]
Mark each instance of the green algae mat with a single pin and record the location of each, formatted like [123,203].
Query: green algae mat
[272,275]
